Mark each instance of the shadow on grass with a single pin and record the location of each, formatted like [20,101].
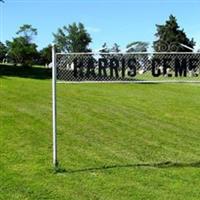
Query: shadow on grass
[161,165]
[25,72]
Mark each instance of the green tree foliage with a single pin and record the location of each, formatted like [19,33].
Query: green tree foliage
[138,46]
[21,51]
[27,32]
[45,55]
[3,51]
[73,38]
[115,48]
[104,48]
[170,37]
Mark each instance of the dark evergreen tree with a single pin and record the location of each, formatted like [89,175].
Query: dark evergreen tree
[171,38]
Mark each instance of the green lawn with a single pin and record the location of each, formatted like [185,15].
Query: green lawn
[116,141]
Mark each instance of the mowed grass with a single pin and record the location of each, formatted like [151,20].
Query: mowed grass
[115,141]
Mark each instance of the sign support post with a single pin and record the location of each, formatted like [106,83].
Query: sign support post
[54,113]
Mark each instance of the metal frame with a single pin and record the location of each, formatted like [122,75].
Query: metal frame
[130,53]
[129,82]
[54,110]
[54,81]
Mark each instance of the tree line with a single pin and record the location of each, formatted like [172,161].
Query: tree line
[75,38]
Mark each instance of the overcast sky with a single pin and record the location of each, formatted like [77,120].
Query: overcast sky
[120,21]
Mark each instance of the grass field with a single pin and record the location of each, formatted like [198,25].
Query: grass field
[116,141]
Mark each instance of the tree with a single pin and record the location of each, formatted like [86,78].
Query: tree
[73,38]
[104,48]
[3,51]
[170,37]
[45,55]
[138,46]
[28,32]
[20,51]
[115,48]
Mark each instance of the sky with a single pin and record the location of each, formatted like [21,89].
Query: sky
[120,21]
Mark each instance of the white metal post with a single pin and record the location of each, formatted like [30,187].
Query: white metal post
[55,161]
